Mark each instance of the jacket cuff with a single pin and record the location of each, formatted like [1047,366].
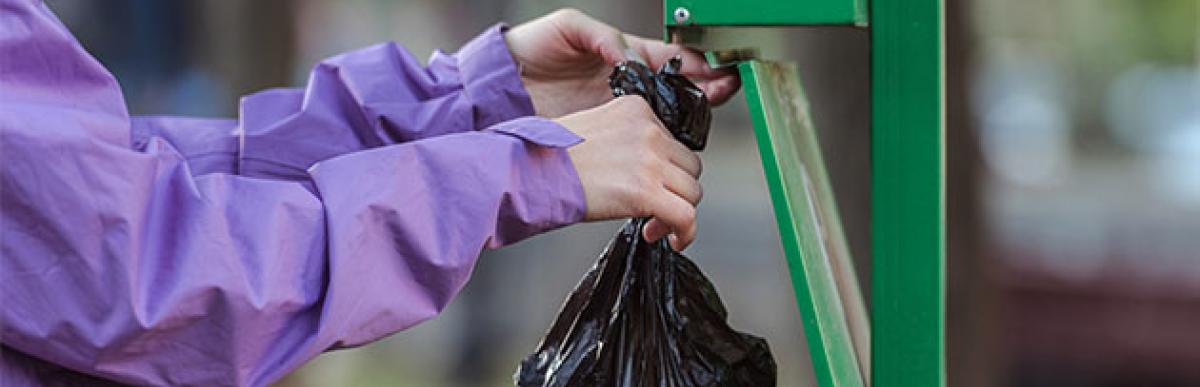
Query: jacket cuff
[556,181]
[539,131]
[491,79]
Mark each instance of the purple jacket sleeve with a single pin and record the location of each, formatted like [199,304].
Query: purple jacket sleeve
[127,264]
[372,97]
[378,96]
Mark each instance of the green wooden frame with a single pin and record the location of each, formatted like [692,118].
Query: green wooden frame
[907,340]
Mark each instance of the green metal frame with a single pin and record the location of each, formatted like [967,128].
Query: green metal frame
[908,193]
[809,226]
[907,342]
[766,12]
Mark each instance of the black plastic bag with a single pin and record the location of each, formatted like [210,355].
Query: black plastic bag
[645,315]
[679,104]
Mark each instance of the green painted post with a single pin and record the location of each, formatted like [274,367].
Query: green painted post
[908,194]
[908,183]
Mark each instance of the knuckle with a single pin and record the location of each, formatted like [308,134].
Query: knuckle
[644,110]
[689,215]
[640,189]
[647,206]
[567,13]
[631,104]
[646,183]
[650,133]
[647,165]
[631,197]
[620,105]
[619,102]
[636,105]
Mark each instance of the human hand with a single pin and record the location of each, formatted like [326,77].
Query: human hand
[566,57]
[630,166]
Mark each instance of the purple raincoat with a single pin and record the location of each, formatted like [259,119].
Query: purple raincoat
[184,251]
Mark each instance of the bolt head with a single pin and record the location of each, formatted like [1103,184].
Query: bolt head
[682,15]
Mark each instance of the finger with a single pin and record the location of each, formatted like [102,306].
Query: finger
[718,84]
[719,90]
[683,185]
[682,157]
[654,230]
[658,53]
[681,240]
[678,215]
[590,35]
[676,243]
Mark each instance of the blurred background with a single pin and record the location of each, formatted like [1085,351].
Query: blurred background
[1073,165]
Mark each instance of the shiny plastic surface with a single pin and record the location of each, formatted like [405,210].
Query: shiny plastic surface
[645,315]
[679,104]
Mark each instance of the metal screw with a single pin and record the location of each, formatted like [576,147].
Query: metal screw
[682,15]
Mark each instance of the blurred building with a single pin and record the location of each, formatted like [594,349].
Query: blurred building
[1088,118]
